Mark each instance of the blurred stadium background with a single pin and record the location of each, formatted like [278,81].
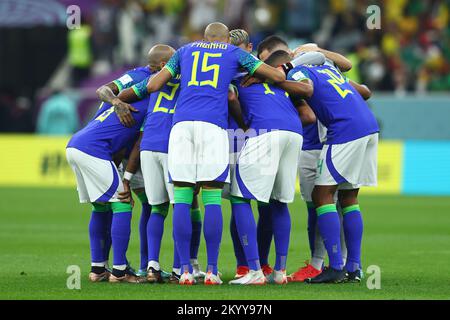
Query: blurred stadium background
[49,74]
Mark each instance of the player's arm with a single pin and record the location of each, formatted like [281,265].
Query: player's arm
[269,74]
[234,108]
[131,169]
[341,62]
[108,92]
[302,88]
[159,80]
[306,114]
[362,89]
[122,102]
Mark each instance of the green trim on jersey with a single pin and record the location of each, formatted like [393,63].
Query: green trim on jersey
[255,67]
[118,84]
[172,72]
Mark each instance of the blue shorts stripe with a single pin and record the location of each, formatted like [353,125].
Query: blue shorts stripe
[112,189]
[246,194]
[334,173]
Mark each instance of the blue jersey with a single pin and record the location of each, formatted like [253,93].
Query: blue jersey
[105,135]
[337,105]
[132,77]
[266,107]
[311,140]
[161,109]
[207,69]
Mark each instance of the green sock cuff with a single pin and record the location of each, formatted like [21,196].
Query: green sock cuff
[101,207]
[161,209]
[142,197]
[348,209]
[183,195]
[238,200]
[118,207]
[263,204]
[212,196]
[196,215]
[326,209]
[310,205]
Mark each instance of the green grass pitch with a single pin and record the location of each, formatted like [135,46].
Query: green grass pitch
[43,231]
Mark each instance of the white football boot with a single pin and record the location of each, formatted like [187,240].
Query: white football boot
[279,277]
[187,279]
[212,279]
[251,278]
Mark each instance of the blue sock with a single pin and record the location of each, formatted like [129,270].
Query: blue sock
[196,232]
[264,232]
[246,227]
[182,225]
[281,231]
[97,235]
[155,229]
[330,228]
[176,256]
[145,215]
[353,231]
[238,250]
[108,238]
[120,233]
[212,226]
[312,222]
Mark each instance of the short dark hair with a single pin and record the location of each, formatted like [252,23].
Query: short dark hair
[269,43]
[275,58]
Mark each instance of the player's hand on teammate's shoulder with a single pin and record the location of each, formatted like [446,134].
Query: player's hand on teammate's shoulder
[123,111]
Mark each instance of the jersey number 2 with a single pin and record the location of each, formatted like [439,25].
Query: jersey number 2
[336,80]
[205,68]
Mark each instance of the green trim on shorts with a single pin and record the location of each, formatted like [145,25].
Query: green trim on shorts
[328,208]
[351,208]
[142,197]
[196,215]
[101,207]
[161,209]
[238,200]
[118,207]
[212,196]
[183,195]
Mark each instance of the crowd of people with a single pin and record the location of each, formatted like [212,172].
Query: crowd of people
[410,51]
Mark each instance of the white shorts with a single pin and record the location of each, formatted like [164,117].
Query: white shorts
[137,182]
[156,177]
[198,152]
[349,165]
[267,167]
[227,187]
[97,179]
[307,170]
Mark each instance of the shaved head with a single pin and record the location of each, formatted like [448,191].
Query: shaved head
[159,55]
[217,31]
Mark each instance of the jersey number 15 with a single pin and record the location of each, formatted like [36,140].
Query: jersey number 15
[205,68]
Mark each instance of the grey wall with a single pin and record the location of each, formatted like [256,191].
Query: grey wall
[413,117]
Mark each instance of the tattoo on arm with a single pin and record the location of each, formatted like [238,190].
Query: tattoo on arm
[107,93]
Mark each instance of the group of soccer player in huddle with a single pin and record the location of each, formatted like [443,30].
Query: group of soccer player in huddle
[211,120]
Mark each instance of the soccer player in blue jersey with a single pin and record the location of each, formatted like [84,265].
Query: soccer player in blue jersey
[198,143]
[108,93]
[348,161]
[90,153]
[266,168]
[153,147]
